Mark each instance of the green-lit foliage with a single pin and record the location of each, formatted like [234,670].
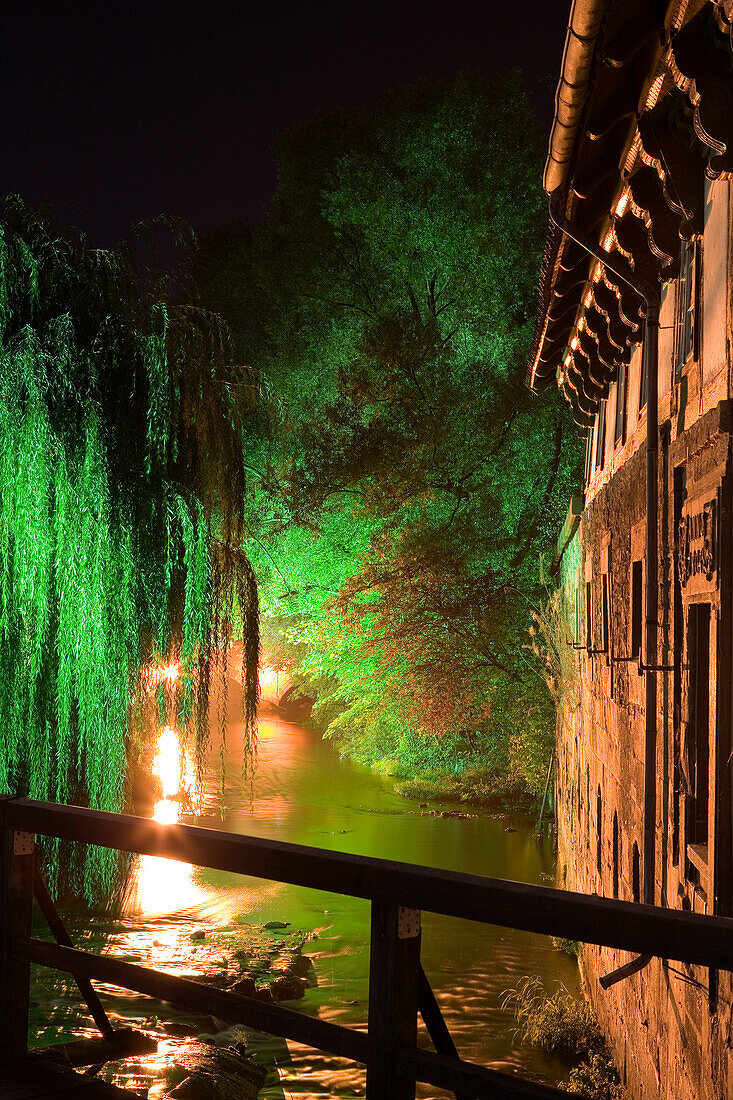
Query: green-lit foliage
[387,307]
[120,514]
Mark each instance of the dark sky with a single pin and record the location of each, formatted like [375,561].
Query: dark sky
[119,111]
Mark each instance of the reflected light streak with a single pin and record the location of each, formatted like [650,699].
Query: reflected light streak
[165,885]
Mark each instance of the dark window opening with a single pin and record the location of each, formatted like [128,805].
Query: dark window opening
[637,594]
[644,369]
[615,853]
[588,457]
[601,436]
[599,830]
[698,724]
[580,799]
[578,609]
[604,613]
[688,294]
[588,617]
[680,495]
[620,433]
[636,873]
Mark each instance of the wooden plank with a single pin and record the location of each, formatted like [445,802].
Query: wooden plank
[126,1042]
[60,934]
[17,862]
[643,929]
[49,1082]
[436,1025]
[394,963]
[205,999]
[472,1080]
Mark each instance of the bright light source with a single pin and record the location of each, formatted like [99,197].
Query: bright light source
[268,676]
[167,762]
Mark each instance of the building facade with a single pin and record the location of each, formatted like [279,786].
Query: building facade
[641,157]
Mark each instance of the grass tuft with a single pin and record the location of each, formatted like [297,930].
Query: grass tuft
[561,1024]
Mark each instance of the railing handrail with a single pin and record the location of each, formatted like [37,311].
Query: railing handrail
[645,929]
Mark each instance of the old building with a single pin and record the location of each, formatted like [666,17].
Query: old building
[635,326]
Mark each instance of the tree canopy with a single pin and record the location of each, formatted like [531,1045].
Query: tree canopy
[407,483]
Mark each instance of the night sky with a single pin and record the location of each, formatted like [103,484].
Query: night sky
[118,112]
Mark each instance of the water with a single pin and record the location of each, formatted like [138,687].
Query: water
[303,793]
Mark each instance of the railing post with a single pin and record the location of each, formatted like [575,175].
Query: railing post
[394,967]
[17,862]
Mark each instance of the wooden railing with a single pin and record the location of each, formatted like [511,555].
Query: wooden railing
[398,988]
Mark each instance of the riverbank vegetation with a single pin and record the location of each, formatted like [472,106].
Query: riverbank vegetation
[404,482]
[565,1025]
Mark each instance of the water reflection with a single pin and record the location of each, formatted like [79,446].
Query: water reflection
[303,793]
[165,885]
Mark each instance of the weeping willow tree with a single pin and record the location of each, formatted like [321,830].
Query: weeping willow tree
[123,489]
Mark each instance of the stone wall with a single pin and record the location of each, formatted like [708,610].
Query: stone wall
[670,1025]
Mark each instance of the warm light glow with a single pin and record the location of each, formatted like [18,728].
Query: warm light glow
[167,762]
[268,676]
[164,885]
[171,672]
[622,203]
[574,343]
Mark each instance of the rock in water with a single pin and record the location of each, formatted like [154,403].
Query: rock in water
[215,1073]
[287,988]
[245,987]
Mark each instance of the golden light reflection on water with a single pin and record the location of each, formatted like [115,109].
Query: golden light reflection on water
[165,885]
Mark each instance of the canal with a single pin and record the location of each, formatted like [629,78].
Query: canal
[177,918]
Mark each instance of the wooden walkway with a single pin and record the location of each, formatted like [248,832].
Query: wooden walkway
[398,987]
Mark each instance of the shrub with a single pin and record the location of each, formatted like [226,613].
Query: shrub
[596,1079]
[569,947]
[565,1026]
[559,1024]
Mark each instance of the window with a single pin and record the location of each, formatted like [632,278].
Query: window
[637,592]
[588,616]
[620,432]
[644,369]
[589,457]
[601,436]
[599,830]
[688,297]
[636,873]
[615,852]
[604,612]
[697,747]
